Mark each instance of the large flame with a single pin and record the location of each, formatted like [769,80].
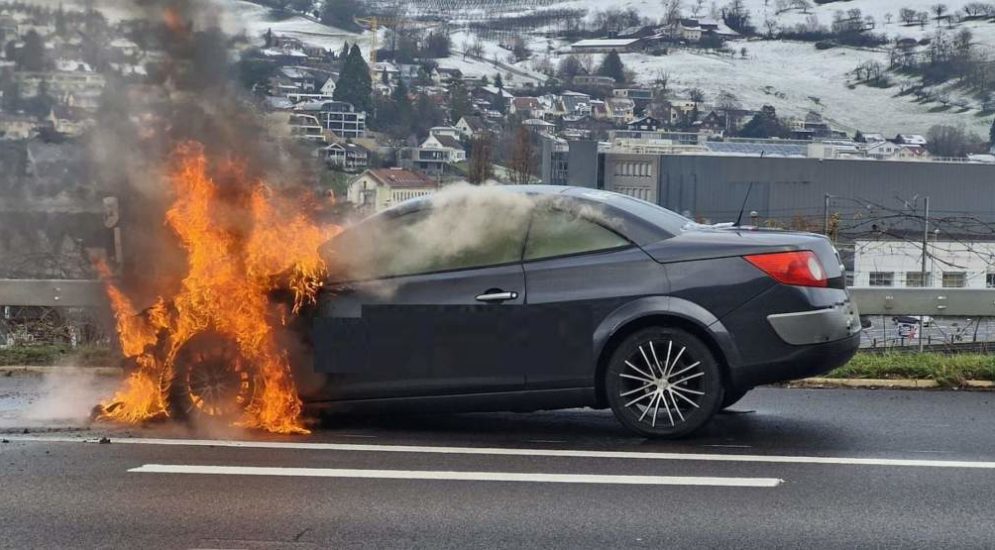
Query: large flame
[236,248]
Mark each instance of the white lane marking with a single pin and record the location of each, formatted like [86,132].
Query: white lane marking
[458,476]
[564,453]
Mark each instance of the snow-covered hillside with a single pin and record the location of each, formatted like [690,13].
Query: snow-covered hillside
[795,77]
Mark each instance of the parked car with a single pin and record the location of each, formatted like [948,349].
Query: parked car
[572,297]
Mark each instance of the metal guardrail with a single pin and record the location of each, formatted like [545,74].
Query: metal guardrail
[961,302]
[52,293]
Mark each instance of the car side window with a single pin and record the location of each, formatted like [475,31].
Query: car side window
[558,233]
[429,241]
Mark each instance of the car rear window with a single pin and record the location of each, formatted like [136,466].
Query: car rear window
[555,232]
[668,220]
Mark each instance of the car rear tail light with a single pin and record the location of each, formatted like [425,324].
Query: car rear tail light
[801,268]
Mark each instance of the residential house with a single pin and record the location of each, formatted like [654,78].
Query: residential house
[528,107]
[376,190]
[471,126]
[621,110]
[910,139]
[302,78]
[348,157]
[689,30]
[644,124]
[594,81]
[641,96]
[338,117]
[538,126]
[575,103]
[445,75]
[84,88]
[881,149]
[602,45]
[408,73]
[306,127]
[388,70]
[712,124]
[14,126]
[450,131]
[434,156]
[69,121]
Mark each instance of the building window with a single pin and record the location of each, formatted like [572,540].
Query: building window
[882,278]
[990,280]
[915,279]
[954,279]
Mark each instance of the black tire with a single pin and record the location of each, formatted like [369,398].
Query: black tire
[636,397]
[211,379]
[732,397]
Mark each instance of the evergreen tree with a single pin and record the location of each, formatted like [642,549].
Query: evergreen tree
[341,14]
[991,135]
[498,82]
[355,84]
[459,102]
[612,66]
[765,124]
[60,22]
[32,54]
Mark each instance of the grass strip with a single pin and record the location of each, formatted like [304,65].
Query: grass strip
[947,370]
[43,355]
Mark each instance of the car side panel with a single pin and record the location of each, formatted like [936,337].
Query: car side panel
[422,335]
[567,299]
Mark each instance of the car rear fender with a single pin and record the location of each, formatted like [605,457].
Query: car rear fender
[662,310]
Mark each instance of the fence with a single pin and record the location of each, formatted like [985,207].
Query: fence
[34,311]
[949,319]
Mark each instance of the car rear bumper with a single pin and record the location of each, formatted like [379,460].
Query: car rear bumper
[799,362]
[816,327]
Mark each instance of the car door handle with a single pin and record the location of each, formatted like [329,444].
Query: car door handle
[497,296]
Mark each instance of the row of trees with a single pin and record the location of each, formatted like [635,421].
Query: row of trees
[611,65]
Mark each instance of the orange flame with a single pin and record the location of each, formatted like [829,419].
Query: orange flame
[236,247]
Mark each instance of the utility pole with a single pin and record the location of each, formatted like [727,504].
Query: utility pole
[825,215]
[925,253]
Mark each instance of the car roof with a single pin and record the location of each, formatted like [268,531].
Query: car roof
[625,214]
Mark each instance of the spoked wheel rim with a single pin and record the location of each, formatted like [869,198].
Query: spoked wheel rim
[662,383]
[215,378]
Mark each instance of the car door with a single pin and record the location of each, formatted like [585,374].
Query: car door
[577,270]
[426,322]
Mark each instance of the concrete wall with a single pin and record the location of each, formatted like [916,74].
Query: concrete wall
[713,187]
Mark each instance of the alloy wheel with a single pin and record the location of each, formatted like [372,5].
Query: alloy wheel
[662,386]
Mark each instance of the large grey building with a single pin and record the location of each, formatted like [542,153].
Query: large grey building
[790,181]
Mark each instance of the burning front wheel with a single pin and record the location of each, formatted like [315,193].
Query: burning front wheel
[211,378]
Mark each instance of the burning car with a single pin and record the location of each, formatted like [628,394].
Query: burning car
[496,298]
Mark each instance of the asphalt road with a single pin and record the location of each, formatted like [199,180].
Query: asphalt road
[789,469]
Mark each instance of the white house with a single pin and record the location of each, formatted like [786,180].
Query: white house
[379,189]
[452,147]
[949,264]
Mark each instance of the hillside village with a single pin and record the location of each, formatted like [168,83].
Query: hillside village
[416,123]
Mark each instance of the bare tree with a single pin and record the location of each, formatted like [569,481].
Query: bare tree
[939,10]
[522,153]
[697,7]
[697,95]
[671,12]
[480,169]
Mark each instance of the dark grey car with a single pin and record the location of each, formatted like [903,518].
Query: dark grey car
[543,297]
